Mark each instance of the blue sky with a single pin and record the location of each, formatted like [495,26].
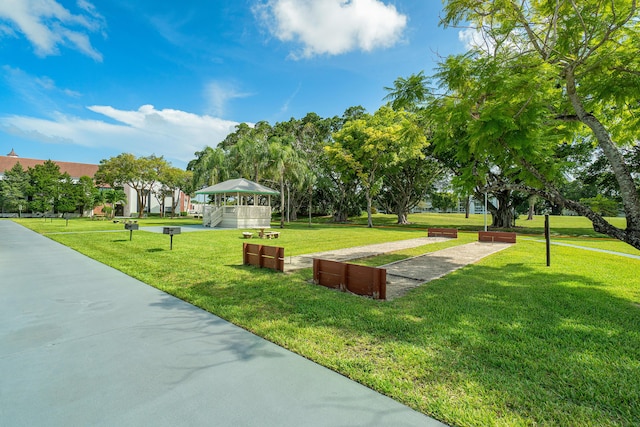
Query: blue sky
[86,80]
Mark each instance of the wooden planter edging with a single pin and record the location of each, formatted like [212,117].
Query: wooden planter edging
[496,236]
[263,256]
[358,279]
[442,232]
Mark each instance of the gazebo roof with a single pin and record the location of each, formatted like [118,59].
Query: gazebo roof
[239,185]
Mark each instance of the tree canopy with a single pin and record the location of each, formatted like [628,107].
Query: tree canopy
[548,76]
[373,143]
[141,174]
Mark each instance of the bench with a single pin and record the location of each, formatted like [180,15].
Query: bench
[443,232]
[271,234]
[98,217]
[263,256]
[357,279]
[247,235]
[496,236]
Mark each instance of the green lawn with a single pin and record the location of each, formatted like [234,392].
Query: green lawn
[559,225]
[507,341]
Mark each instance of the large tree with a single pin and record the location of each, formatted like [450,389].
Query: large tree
[547,68]
[14,189]
[173,180]
[141,174]
[248,156]
[209,167]
[67,195]
[45,186]
[371,144]
[407,183]
[87,194]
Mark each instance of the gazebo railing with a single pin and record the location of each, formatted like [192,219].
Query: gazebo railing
[211,216]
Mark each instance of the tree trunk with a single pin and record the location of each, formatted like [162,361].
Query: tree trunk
[369,217]
[340,216]
[310,204]
[532,207]
[402,218]
[628,190]
[140,202]
[282,200]
[503,213]
[467,206]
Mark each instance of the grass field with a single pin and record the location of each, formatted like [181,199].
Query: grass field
[507,341]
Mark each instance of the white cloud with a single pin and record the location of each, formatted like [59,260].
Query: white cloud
[219,93]
[332,26]
[474,38]
[175,134]
[47,25]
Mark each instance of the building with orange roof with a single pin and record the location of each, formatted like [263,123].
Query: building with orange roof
[78,170]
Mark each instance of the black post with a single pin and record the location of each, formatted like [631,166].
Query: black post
[547,237]
[130,234]
[171,244]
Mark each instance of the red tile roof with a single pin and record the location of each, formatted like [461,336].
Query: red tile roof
[76,170]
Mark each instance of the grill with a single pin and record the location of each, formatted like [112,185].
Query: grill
[171,231]
[131,226]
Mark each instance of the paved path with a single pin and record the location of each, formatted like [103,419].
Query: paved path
[82,344]
[407,274]
[306,261]
[586,248]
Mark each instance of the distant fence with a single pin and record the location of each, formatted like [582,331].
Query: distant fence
[263,256]
[358,279]
[442,232]
[496,236]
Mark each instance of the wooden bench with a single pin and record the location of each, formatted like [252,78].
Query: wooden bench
[263,256]
[357,279]
[496,236]
[443,232]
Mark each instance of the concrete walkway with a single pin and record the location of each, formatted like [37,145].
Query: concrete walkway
[346,254]
[82,344]
[405,275]
[586,248]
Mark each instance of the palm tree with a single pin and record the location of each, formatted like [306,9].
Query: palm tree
[209,167]
[113,197]
[283,161]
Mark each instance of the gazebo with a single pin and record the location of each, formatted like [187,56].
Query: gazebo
[238,203]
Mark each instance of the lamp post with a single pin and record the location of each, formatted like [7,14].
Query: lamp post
[485,211]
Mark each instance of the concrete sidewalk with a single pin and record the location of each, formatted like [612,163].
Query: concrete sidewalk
[82,344]
[407,274]
[346,254]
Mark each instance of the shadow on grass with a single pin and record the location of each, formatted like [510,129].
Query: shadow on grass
[538,345]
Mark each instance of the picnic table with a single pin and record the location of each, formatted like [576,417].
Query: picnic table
[268,234]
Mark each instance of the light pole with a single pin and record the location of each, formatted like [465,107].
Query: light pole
[485,211]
